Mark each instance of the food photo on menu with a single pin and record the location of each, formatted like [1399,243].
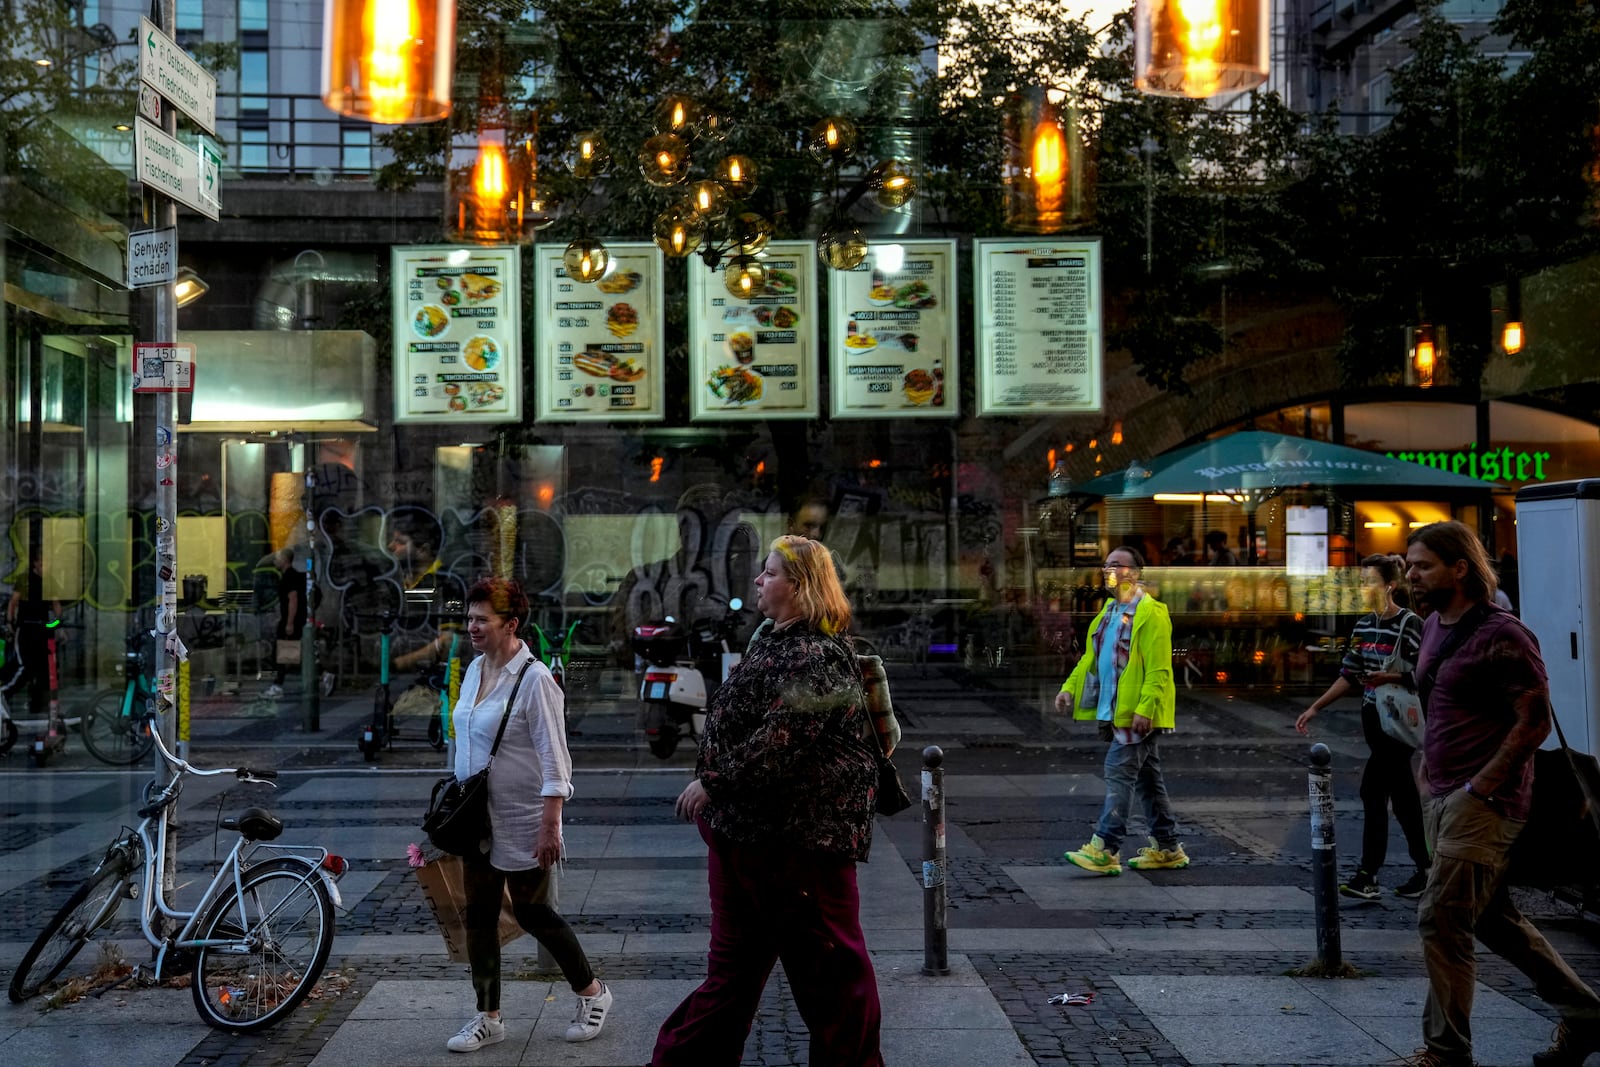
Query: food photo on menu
[598,363]
[735,386]
[622,319]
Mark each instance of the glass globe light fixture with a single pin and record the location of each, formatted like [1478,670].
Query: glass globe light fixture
[586,260]
[678,232]
[841,246]
[664,160]
[708,199]
[544,205]
[833,140]
[591,154]
[745,277]
[737,174]
[749,232]
[891,183]
[712,125]
[677,114]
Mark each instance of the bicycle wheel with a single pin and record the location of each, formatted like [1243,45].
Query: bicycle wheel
[90,907]
[112,737]
[281,929]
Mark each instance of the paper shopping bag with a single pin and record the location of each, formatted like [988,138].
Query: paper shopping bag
[443,889]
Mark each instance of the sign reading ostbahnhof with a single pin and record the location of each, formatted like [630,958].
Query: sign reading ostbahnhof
[170,71]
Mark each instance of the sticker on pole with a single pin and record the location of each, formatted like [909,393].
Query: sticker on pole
[163,368]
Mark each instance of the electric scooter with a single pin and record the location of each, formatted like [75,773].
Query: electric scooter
[8,729]
[54,738]
[674,692]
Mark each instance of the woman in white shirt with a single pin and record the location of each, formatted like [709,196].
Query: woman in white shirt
[531,780]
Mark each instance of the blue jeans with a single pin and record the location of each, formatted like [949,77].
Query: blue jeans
[1128,766]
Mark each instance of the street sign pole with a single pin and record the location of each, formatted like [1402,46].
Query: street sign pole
[164,330]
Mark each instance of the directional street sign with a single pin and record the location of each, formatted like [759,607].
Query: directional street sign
[170,71]
[152,257]
[163,368]
[210,176]
[171,168]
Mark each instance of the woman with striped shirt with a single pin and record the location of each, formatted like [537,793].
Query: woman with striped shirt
[1387,777]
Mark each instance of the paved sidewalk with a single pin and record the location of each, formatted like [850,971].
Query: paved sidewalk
[1187,967]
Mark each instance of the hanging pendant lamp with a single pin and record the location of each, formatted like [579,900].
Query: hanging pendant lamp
[1200,48]
[1044,168]
[388,61]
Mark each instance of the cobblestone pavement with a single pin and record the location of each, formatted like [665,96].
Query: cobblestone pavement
[1236,772]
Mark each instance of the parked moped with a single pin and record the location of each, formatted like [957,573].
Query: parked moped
[683,665]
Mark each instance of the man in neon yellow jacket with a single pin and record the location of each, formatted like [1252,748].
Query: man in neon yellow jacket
[1124,683]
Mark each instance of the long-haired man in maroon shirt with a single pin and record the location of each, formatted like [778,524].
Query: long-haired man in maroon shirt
[1483,686]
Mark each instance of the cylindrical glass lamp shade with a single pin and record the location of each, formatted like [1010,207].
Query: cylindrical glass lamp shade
[1043,173]
[490,193]
[1427,351]
[388,61]
[1200,48]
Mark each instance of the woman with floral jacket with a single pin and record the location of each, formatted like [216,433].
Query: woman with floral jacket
[783,795]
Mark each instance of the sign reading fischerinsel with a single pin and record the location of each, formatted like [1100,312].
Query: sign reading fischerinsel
[173,169]
[892,345]
[755,357]
[1040,349]
[457,333]
[598,354]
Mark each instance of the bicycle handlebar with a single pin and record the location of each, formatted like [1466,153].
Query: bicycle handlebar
[183,766]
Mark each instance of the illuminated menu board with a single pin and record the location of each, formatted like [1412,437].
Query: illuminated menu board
[755,358]
[893,337]
[598,352]
[1039,344]
[457,333]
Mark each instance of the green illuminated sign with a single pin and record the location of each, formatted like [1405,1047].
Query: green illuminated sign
[1503,465]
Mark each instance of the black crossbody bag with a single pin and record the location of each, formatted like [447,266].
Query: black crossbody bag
[457,820]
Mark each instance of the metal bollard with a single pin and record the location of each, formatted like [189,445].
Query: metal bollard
[935,898]
[1325,861]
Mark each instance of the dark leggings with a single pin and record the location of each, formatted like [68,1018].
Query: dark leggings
[484,884]
[1387,779]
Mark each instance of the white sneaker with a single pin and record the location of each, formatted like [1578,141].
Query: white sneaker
[590,1016]
[480,1031]
[273,691]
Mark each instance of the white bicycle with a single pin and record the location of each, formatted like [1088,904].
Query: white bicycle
[256,942]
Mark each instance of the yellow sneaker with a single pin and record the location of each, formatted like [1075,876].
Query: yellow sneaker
[1094,857]
[1155,858]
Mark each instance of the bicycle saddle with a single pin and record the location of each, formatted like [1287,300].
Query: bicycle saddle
[256,824]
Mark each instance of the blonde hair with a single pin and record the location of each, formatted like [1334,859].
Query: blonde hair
[818,594]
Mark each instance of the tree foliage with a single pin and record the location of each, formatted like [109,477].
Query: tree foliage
[1457,192]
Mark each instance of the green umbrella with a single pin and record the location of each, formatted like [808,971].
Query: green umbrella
[1251,466]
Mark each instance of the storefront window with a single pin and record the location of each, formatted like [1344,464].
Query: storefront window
[901,412]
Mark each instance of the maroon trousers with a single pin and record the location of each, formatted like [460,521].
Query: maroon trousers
[770,904]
